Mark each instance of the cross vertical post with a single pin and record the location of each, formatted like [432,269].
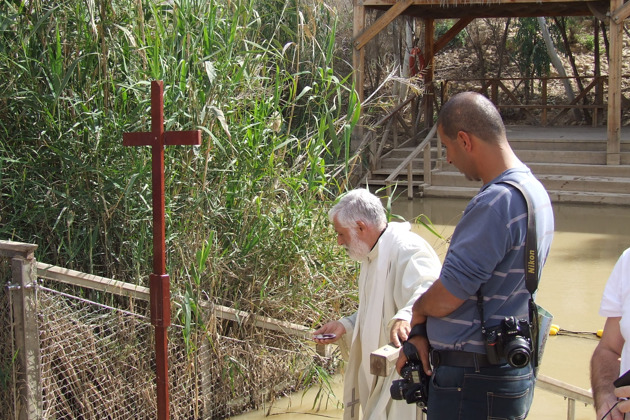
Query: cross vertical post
[159,281]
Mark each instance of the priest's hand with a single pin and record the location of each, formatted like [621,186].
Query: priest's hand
[329,332]
[399,332]
[421,344]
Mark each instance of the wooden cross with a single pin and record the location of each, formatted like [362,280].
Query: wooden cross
[354,401]
[159,282]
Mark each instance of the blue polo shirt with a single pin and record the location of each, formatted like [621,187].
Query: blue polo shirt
[487,251]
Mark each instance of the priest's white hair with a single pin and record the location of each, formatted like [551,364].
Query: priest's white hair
[359,205]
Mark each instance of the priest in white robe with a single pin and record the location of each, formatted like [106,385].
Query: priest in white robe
[397,266]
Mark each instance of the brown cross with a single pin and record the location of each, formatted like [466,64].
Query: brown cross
[160,299]
[354,401]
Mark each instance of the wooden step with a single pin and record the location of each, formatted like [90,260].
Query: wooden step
[575,197]
[551,182]
[570,161]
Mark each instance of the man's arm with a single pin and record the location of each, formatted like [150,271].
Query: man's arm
[605,369]
[437,301]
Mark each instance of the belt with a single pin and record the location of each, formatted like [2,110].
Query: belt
[459,359]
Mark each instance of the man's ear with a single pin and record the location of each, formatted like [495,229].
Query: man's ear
[362,226]
[465,140]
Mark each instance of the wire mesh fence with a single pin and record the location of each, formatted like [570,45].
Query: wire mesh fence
[8,399]
[97,360]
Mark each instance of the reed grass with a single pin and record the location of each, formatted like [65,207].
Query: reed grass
[245,211]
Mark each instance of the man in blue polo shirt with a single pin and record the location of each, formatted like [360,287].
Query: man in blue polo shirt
[483,272]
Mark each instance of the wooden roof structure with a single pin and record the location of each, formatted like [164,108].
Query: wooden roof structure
[612,12]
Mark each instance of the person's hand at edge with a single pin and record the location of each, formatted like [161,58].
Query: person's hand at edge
[332,327]
[399,332]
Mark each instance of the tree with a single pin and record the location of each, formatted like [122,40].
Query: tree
[557,63]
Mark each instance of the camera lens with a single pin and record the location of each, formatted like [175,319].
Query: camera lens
[397,390]
[518,353]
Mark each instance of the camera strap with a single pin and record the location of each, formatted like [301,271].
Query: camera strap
[531,271]
[411,352]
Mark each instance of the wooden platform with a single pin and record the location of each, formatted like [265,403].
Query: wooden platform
[569,161]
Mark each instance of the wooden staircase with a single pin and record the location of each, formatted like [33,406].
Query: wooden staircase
[569,161]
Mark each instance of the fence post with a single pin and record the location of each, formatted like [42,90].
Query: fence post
[24,273]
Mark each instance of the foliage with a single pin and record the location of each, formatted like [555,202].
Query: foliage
[529,49]
[246,217]
[442,26]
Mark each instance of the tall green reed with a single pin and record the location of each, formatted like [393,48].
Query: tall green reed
[256,79]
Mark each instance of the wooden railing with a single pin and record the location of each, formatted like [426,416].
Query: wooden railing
[536,104]
[425,147]
[511,93]
[568,391]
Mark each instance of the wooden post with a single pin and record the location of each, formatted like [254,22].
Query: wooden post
[544,101]
[24,273]
[429,58]
[358,65]
[159,282]
[613,155]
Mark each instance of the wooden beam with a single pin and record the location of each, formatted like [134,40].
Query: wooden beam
[613,155]
[455,3]
[621,13]
[392,13]
[358,65]
[451,33]
[429,72]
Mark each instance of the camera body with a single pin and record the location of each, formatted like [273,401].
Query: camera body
[414,385]
[510,340]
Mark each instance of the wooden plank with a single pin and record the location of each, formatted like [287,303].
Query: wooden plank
[103,284]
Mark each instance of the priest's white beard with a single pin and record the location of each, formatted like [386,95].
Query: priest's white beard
[357,249]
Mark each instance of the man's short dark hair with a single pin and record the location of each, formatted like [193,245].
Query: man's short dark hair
[473,113]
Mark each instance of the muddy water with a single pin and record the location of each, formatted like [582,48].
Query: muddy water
[587,243]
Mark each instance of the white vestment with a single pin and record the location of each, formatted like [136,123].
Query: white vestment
[400,267]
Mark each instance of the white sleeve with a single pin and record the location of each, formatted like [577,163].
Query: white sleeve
[616,290]
[417,271]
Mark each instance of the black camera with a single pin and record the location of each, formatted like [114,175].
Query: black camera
[510,340]
[414,385]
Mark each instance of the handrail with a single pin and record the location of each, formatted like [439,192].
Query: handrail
[409,160]
[566,390]
[570,392]
[368,138]
[121,288]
